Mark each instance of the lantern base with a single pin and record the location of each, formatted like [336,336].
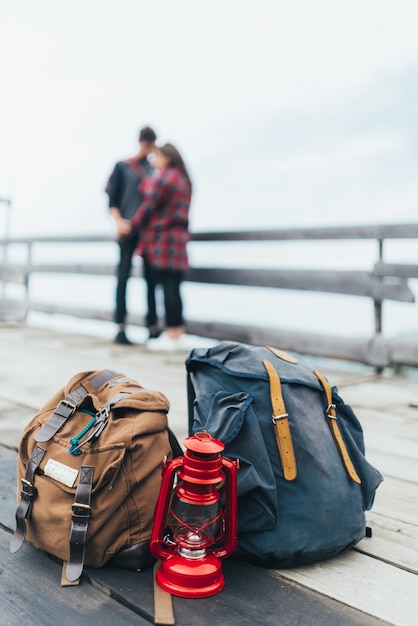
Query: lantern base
[191,578]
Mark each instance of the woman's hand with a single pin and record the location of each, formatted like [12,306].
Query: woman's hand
[123,228]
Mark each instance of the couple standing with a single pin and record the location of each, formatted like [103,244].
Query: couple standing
[150,205]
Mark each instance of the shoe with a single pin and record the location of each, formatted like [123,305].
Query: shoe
[122,339]
[164,343]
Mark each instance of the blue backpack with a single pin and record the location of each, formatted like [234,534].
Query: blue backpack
[304,483]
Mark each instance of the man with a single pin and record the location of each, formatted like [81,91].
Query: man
[124,199]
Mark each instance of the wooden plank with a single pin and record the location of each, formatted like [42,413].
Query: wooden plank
[391,443]
[376,231]
[30,593]
[353,283]
[8,487]
[53,239]
[404,351]
[378,352]
[395,420]
[304,343]
[14,274]
[72,311]
[83,312]
[251,596]
[394,464]
[93,269]
[386,398]
[380,231]
[393,541]
[397,500]
[400,270]
[377,588]
[12,308]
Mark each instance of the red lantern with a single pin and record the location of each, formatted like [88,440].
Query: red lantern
[191,531]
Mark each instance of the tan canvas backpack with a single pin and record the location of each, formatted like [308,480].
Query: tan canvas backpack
[89,472]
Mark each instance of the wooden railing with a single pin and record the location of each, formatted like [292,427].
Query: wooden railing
[381,282]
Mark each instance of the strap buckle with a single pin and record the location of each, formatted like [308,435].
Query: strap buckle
[332,411]
[102,419]
[103,413]
[68,404]
[81,512]
[28,490]
[277,418]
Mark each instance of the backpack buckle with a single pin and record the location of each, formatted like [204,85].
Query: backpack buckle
[28,490]
[68,405]
[276,418]
[103,413]
[332,411]
[102,419]
[81,512]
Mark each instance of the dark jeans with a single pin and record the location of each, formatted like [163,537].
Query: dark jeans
[170,281]
[127,247]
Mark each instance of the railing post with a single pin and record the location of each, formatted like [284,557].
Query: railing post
[8,203]
[378,304]
[27,277]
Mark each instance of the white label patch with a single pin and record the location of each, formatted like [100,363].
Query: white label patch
[62,473]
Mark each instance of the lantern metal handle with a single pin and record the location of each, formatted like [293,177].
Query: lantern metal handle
[231,494]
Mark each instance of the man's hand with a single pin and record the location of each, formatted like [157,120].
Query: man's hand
[123,228]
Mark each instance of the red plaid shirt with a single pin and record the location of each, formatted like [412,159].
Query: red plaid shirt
[163,220]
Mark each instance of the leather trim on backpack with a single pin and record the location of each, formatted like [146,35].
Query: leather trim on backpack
[27,496]
[67,407]
[281,424]
[331,415]
[80,523]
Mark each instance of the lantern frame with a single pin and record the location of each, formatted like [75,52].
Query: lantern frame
[184,571]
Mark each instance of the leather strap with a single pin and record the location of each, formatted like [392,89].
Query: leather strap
[163,602]
[124,380]
[27,495]
[64,580]
[68,406]
[331,413]
[281,424]
[80,523]
[282,354]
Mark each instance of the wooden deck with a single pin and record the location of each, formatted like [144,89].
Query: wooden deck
[374,583]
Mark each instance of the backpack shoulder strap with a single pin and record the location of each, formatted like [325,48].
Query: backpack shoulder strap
[80,523]
[67,407]
[331,414]
[27,494]
[281,425]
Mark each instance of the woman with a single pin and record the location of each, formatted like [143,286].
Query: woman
[163,223]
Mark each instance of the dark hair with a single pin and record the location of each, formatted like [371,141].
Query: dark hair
[174,159]
[147,134]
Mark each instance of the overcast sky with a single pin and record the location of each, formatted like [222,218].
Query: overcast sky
[287,113]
